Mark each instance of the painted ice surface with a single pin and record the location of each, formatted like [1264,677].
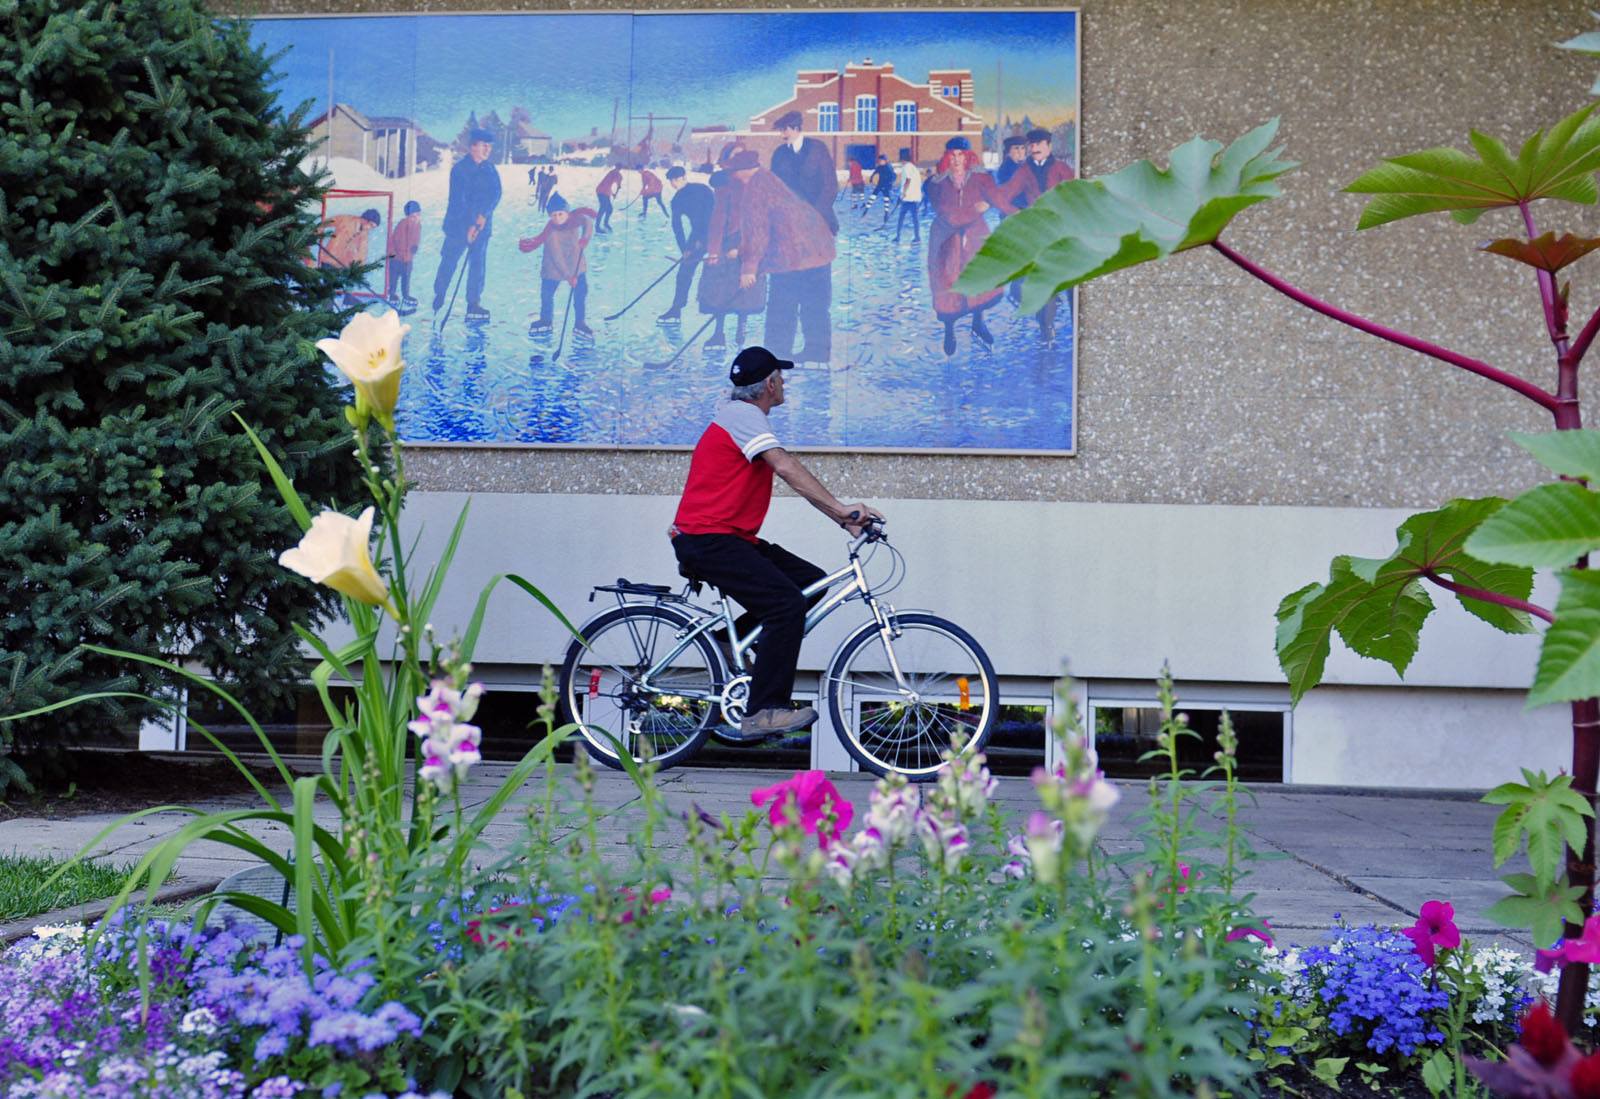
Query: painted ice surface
[580,93]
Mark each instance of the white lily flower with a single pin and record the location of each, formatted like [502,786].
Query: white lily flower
[368,353]
[335,552]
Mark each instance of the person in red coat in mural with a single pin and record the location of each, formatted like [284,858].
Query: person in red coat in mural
[605,191]
[962,193]
[805,164]
[787,240]
[1040,172]
[650,188]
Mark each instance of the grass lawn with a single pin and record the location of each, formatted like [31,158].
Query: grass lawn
[22,884]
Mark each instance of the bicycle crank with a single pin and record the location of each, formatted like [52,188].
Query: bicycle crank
[735,697]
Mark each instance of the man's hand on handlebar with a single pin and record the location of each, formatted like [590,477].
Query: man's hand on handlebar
[857,516]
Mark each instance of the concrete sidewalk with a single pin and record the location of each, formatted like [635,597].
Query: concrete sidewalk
[1370,856]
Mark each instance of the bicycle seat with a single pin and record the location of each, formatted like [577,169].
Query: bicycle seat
[695,582]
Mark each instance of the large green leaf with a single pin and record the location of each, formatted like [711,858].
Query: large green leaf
[1546,527]
[1548,812]
[1377,605]
[1557,164]
[1086,228]
[1569,662]
[1543,909]
[1569,453]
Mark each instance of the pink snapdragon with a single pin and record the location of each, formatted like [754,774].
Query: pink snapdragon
[892,808]
[1077,792]
[1434,930]
[822,812]
[1043,838]
[943,836]
[965,783]
[450,746]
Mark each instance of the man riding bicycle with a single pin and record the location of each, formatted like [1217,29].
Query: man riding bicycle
[714,534]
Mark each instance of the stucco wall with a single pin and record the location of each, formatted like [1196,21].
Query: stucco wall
[1197,384]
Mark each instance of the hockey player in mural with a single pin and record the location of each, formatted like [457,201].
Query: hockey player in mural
[769,177]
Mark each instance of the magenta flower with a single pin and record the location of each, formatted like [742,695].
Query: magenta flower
[1246,932]
[1585,948]
[1435,929]
[813,797]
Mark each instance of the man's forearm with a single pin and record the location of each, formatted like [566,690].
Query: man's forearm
[801,479]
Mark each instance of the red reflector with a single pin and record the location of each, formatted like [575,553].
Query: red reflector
[594,683]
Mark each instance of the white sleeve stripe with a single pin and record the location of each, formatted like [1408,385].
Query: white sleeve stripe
[761,442]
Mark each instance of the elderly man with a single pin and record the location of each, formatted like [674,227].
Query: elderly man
[714,535]
[468,223]
[789,242]
[805,164]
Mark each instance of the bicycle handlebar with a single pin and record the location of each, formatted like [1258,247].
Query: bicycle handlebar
[871,530]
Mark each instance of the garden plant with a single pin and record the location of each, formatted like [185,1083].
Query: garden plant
[1482,551]
[154,219]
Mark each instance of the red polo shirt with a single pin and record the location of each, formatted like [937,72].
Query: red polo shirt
[728,490]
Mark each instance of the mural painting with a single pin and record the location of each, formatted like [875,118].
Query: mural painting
[583,216]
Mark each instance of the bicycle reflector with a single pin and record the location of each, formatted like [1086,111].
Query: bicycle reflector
[964,687]
[594,684]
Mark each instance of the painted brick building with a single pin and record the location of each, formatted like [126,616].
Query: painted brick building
[869,109]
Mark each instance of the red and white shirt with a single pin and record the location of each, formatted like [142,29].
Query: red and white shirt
[728,490]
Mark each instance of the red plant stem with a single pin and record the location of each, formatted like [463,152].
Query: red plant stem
[1547,290]
[1483,595]
[1444,354]
[1574,986]
[1580,346]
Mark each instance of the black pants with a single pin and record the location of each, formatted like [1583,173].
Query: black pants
[800,299]
[547,298]
[476,267]
[765,580]
[686,269]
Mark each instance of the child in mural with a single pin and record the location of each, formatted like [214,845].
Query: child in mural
[1015,151]
[787,240]
[1039,171]
[805,164]
[721,291]
[468,223]
[564,238]
[404,240]
[692,203]
[910,198]
[606,191]
[962,194]
[547,186]
[649,188]
[346,243]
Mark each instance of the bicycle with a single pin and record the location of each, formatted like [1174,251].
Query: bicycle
[661,671]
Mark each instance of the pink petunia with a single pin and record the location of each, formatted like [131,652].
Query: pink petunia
[1434,930]
[1585,948]
[811,794]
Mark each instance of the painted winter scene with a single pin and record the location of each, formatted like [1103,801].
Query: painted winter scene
[583,216]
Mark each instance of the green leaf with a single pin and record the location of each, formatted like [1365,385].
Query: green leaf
[1327,1069]
[1569,453]
[1549,813]
[1587,43]
[1438,1073]
[1086,228]
[1377,605]
[1542,911]
[1558,164]
[1547,526]
[1546,253]
[1569,661]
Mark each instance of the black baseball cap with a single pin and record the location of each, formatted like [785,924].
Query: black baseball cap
[753,364]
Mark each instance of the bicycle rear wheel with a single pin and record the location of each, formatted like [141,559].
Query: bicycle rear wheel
[949,690]
[661,719]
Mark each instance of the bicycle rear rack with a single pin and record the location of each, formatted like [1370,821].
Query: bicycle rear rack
[624,588]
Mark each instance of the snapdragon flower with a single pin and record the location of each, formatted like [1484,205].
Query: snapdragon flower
[964,782]
[892,808]
[943,836]
[450,745]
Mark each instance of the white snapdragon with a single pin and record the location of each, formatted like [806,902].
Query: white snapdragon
[450,744]
[892,807]
[966,784]
[943,836]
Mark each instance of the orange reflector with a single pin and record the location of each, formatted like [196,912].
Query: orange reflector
[594,684]
[966,693]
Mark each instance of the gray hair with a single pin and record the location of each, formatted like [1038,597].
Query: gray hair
[749,392]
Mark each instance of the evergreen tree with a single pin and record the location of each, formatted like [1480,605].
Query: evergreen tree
[154,223]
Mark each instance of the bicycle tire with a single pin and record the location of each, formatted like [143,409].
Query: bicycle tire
[949,709]
[684,723]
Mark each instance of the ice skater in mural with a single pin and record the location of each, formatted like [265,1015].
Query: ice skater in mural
[962,194]
[606,191]
[787,240]
[346,239]
[565,238]
[883,181]
[1039,171]
[404,240]
[468,224]
[649,188]
[723,293]
[1015,151]
[692,204]
[910,188]
[805,164]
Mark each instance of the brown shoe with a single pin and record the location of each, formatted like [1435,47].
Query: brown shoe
[775,721]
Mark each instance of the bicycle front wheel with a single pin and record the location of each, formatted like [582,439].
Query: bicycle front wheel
[640,681]
[945,690]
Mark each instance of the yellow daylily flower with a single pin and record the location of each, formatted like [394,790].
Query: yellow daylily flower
[368,353]
[335,552]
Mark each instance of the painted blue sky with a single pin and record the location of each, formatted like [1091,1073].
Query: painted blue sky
[716,68]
